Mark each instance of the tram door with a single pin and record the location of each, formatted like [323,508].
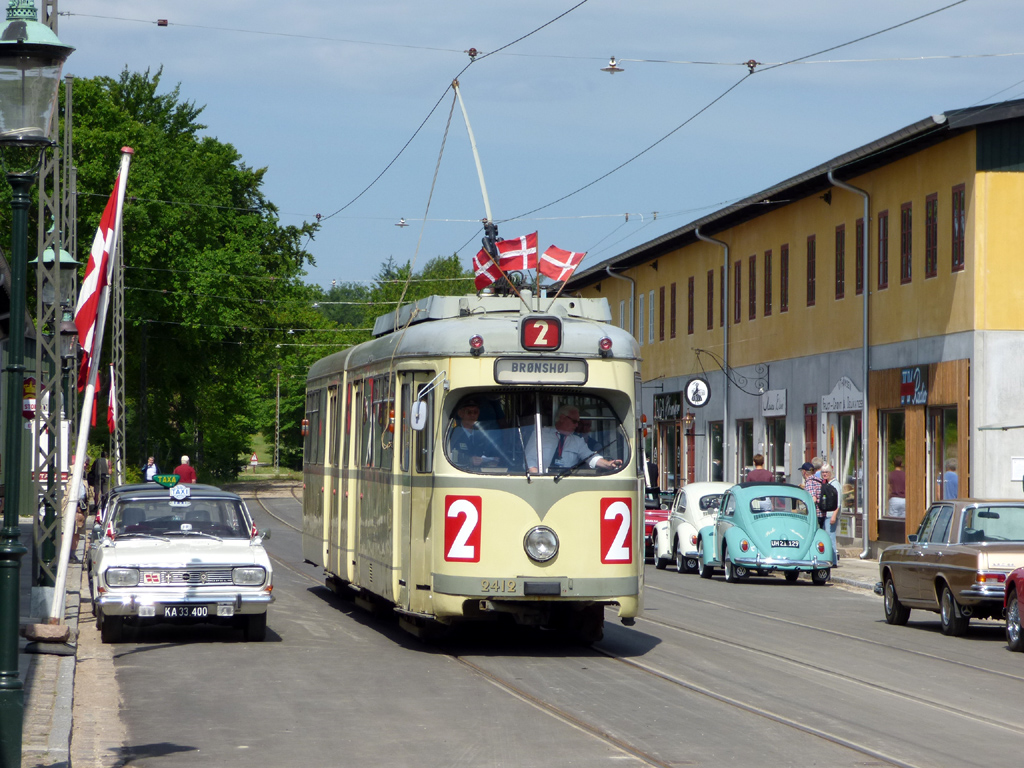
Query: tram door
[414,476]
[340,543]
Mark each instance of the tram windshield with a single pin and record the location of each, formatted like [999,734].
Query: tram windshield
[494,432]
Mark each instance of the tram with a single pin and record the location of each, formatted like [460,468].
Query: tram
[479,459]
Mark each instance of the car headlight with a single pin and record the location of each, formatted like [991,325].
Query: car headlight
[541,544]
[248,577]
[122,577]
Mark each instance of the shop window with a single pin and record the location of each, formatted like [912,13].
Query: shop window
[745,446]
[894,450]
[716,431]
[943,470]
[775,448]
[810,431]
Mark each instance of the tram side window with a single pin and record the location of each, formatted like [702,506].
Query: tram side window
[377,438]
[314,443]
[494,432]
[424,446]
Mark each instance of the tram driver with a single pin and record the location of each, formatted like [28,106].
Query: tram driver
[469,443]
[562,448]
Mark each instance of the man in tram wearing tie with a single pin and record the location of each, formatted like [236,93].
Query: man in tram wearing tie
[562,448]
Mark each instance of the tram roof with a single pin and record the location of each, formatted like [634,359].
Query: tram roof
[447,307]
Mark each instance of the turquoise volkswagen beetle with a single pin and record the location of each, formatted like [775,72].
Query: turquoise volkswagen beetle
[761,528]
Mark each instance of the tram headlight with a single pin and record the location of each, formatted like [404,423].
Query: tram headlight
[541,544]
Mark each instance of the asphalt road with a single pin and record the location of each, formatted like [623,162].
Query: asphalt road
[763,673]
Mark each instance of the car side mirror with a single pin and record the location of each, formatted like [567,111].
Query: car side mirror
[419,415]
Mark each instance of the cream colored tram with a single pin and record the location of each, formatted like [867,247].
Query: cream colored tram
[395,510]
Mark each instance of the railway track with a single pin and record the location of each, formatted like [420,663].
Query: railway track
[784,717]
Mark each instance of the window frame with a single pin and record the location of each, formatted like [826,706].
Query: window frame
[906,243]
[958,228]
[931,235]
[840,261]
[883,249]
[768,283]
[812,268]
[784,278]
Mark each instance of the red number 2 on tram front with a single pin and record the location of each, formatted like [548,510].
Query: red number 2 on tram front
[616,530]
[462,528]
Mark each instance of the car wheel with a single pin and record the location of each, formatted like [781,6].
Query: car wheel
[111,628]
[895,611]
[954,623]
[727,566]
[1013,636]
[255,627]
[691,565]
[659,562]
[820,576]
[792,576]
[680,560]
[705,571]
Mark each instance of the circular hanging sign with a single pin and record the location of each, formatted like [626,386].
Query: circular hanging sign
[697,393]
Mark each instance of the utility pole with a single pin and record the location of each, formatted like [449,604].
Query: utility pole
[277,424]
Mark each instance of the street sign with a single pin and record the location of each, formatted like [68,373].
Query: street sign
[254,461]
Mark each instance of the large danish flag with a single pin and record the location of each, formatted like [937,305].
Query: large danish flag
[558,264]
[518,253]
[485,269]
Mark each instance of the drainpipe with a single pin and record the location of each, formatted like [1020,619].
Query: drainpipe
[725,347]
[632,294]
[865,369]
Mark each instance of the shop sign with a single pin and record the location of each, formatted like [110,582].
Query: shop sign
[667,407]
[843,397]
[913,386]
[773,403]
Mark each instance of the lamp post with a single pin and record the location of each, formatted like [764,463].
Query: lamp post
[31,59]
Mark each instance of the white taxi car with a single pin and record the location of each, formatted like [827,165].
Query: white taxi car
[184,554]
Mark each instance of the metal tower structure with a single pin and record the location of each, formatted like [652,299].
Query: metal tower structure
[52,308]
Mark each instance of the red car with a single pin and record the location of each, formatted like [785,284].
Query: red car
[655,510]
[1011,609]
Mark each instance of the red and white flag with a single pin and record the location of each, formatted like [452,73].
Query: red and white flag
[97,275]
[111,404]
[558,264]
[485,269]
[518,253]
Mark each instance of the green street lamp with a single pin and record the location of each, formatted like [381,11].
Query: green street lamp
[31,60]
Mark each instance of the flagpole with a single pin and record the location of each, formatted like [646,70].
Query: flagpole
[75,483]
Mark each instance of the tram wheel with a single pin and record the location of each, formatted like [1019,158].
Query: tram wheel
[590,627]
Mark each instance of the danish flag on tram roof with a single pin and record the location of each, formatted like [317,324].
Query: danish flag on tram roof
[558,264]
[485,269]
[519,252]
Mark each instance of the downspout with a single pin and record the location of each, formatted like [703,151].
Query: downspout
[725,348]
[632,295]
[865,369]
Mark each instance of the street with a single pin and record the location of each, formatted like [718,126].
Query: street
[714,673]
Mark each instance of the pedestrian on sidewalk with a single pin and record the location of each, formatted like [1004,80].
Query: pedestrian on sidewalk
[185,472]
[813,486]
[832,518]
[759,474]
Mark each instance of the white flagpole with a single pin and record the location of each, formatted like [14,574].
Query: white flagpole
[75,484]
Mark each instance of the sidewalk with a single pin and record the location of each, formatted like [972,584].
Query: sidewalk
[853,571]
[47,670]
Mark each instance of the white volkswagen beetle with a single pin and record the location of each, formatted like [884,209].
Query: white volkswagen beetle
[675,539]
[184,554]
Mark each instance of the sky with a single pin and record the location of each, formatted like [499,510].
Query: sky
[326,95]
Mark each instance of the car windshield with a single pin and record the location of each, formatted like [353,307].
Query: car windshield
[790,504]
[710,503]
[494,432]
[223,518]
[992,524]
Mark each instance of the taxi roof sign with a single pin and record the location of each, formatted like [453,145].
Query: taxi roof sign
[167,481]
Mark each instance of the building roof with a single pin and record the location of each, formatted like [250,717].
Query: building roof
[906,141]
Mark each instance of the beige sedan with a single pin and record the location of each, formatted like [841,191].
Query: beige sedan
[956,564]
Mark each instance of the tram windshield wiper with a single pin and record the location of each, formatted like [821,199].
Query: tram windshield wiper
[569,470]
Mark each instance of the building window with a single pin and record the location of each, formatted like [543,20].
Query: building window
[640,325]
[959,226]
[711,299]
[784,279]
[650,317]
[672,311]
[883,249]
[689,306]
[811,267]
[840,261]
[858,258]
[721,296]
[767,283]
[905,244]
[661,313]
[737,294]
[752,298]
[931,235]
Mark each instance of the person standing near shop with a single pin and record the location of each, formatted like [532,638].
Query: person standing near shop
[832,518]
[759,474]
[812,485]
[897,489]
[185,472]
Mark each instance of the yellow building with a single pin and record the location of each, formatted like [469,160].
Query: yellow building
[938,208]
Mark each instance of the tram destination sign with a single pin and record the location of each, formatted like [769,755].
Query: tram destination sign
[540,370]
